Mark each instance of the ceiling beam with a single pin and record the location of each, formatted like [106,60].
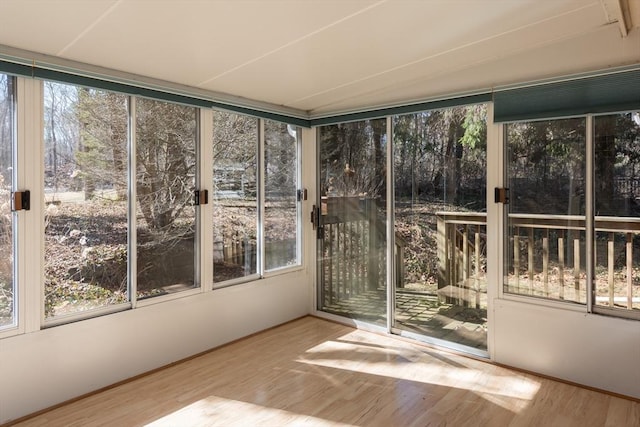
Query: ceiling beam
[619,11]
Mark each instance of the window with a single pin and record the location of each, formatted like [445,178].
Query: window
[281,207]
[166,171]
[117,195]
[7,218]
[85,194]
[556,244]
[235,196]
[546,219]
[254,218]
[86,187]
[617,211]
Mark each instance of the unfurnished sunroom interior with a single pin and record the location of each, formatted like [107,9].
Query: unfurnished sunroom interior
[177,175]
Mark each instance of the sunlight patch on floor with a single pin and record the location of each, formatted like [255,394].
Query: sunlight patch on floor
[498,386]
[218,411]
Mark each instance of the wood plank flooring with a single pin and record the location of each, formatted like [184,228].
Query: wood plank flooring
[312,372]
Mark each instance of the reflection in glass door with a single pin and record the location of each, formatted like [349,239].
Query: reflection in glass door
[352,221]
[7,218]
[440,225]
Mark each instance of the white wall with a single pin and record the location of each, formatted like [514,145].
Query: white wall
[593,350]
[43,368]
[558,341]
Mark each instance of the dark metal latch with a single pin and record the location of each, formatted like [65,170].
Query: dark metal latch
[21,201]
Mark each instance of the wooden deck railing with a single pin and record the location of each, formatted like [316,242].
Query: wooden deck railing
[558,240]
[462,257]
[547,257]
[243,252]
[352,247]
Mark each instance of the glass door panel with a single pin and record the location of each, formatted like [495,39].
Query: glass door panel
[440,224]
[545,254]
[352,226]
[7,218]
[617,211]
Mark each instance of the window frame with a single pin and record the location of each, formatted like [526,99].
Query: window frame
[299,196]
[133,300]
[589,218]
[16,288]
[261,271]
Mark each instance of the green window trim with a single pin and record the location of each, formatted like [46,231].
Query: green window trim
[618,91]
[35,71]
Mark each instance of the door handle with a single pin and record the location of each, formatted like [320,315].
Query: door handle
[315,217]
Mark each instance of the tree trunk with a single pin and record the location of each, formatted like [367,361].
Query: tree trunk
[605,159]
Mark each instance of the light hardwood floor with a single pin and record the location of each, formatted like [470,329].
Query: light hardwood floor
[317,373]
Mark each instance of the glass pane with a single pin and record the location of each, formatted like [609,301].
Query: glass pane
[7,284]
[235,201]
[281,211]
[352,250]
[85,193]
[166,136]
[546,224]
[617,209]
[440,224]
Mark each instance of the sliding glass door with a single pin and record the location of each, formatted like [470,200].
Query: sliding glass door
[440,225]
[439,230]
[351,220]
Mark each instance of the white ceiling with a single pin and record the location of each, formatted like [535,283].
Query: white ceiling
[329,56]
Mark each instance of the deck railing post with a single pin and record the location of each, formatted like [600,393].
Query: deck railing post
[576,267]
[610,267]
[516,257]
[629,271]
[561,262]
[466,264]
[545,261]
[373,272]
[442,247]
[476,281]
[530,247]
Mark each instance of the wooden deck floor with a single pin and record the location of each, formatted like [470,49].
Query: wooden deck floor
[317,373]
[418,313]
